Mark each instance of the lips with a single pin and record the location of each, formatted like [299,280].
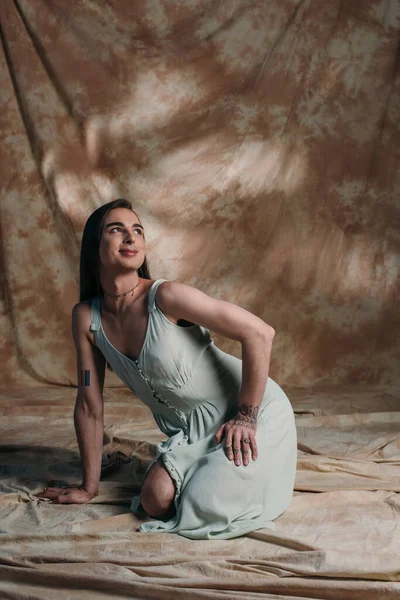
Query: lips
[129,252]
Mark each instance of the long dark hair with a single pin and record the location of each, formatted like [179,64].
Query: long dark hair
[89,269]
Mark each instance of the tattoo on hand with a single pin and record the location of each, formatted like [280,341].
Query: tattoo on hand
[85,378]
[247,415]
[246,423]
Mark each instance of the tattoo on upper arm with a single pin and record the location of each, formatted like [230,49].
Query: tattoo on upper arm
[85,378]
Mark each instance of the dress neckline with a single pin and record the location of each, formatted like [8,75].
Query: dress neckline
[146,335]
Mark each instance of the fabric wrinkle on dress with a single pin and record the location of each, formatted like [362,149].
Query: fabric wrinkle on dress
[192,387]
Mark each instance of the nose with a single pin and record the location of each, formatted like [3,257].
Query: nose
[128,238]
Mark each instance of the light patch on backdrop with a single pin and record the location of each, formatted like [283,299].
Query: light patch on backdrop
[95,130]
[156,99]
[348,190]
[170,248]
[243,40]
[262,166]
[258,166]
[72,191]
[238,42]
[245,115]
[188,161]
[106,188]
[155,16]
[368,270]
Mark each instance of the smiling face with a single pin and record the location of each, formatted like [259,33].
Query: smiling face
[122,233]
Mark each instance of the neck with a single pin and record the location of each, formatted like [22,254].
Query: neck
[120,284]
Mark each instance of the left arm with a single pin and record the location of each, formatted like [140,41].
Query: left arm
[230,320]
[256,356]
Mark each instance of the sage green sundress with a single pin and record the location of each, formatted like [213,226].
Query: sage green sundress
[192,388]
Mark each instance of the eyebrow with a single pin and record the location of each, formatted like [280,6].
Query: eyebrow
[123,224]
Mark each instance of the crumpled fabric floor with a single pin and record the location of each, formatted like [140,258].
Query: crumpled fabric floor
[339,538]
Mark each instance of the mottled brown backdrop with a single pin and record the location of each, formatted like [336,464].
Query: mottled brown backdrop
[259,142]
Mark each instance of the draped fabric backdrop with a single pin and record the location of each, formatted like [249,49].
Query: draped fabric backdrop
[259,143]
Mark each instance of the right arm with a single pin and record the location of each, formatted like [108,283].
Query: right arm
[88,412]
[89,408]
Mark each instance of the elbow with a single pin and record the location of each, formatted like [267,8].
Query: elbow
[267,332]
[87,410]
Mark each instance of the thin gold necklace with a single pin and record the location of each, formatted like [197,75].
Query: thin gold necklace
[118,296]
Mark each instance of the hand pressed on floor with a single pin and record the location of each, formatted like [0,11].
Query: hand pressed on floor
[69,495]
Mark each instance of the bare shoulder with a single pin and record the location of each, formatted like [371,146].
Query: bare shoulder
[174,290]
[81,318]
[173,286]
[81,310]
[173,296]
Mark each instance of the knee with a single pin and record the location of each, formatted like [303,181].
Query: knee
[157,502]
[158,492]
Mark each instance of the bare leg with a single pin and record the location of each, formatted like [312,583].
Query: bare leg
[158,492]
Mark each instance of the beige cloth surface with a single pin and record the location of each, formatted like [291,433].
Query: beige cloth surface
[339,538]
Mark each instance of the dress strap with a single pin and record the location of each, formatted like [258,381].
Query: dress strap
[152,294]
[95,314]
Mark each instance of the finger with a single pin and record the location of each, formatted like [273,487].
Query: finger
[42,496]
[237,448]
[245,451]
[253,446]
[49,492]
[219,434]
[40,493]
[45,490]
[228,443]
